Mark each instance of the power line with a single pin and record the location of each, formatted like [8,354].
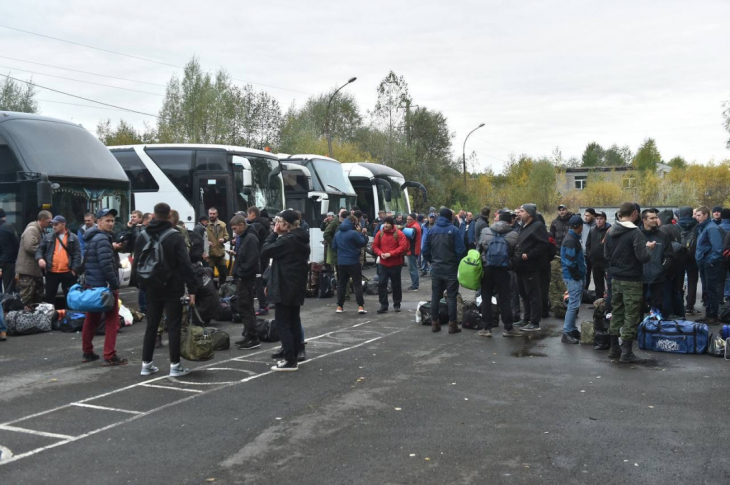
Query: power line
[136,57]
[76,104]
[79,97]
[85,82]
[84,72]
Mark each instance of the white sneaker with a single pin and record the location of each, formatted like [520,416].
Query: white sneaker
[177,370]
[149,368]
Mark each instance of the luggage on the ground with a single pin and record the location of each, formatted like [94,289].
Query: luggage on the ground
[423,313]
[587,333]
[27,323]
[371,287]
[207,299]
[313,279]
[326,284]
[72,322]
[11,302]
[472,320]
[266,330]
[589,296]
[601,339]
[91,300]
[196,343]
[227,290]
[444,309]
[716,347]
[725,331]
[221,339]
[470,270]
[225,309]
[724,313]
[675,336]
[557,289]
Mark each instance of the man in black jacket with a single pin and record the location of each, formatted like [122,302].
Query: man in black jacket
[530,255]
[626,252]
[261,226]
[59,255]
[9,246]
[244,275]
[165,289]
[594,252]
[559,227]
[288,248]
[659,265]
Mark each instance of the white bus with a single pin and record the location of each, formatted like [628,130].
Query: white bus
[192,178]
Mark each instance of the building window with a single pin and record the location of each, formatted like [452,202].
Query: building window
[629,182]
[580,181]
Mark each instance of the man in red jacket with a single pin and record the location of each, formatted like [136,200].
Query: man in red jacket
[414,250]
[390,245]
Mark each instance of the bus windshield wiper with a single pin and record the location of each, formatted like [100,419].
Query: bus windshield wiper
[338,190]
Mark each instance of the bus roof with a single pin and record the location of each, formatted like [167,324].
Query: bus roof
[199,146]
[374,169]
[308,156]
[58,148]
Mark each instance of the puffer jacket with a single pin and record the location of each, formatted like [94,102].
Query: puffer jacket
[534,241]
[347,243]
[444,248]
[393,242]
[287,284]
[487,234]
[102,268]
[48,246]
[661,258]
[29,242]
[709,244]
[594,246]
[425,227]
[571,257]
[559,228]
[626,252]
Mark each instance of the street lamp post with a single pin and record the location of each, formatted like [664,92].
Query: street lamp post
[327,115]
[463,153]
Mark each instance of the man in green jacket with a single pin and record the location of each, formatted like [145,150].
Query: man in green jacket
[329,235]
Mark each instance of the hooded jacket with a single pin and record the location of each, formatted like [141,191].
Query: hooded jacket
[394,242]
[414,245]
[9,242]
[329,235]
[594,246]
[480,223]
[347,243]
[559,228]
[571,257]
[247,255]
[661,257]
[29,242]
[534,241]
[709,244]
[487,235]
[177,263]
[689,230]
[625,250]
[47,248]
[443,247]
[101,267]
[666,217]
[287,283]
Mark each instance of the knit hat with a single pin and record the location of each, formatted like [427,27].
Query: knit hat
[431,209]
[530,209]
[717,208]
[725,213]
[575,221]
[446,213]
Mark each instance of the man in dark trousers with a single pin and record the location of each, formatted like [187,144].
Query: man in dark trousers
[626,251]
[709,261]
[262,228]
[9,246]
[59,255]
[659,265]
[391,246]
[165,288]
[244,275]
[348,242]
[594,252]
[533,245]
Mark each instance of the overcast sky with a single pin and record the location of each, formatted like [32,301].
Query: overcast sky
[540,74]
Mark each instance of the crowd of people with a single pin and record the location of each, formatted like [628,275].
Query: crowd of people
[644,259]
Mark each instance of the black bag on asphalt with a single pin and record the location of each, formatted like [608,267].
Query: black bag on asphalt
[207,301]
[227,290]
[326,285]
[72,322]
[221,339]
[424,313]
[472,320]
[724,314]
[11,303]
[589,296]
[266,330]
[225,309]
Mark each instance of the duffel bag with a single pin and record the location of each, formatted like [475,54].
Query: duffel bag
[675,336]
[716,348]
[227,290]
[225,310]
[196,343]
[221,339]
[423,313]
[724,314]
[11,302]
[72,322]
[266,330]
[725,332]
[602,340]
[27,323]
[472,320]
[91,300]
[326,285]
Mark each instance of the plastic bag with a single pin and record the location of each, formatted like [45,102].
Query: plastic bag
[125,315]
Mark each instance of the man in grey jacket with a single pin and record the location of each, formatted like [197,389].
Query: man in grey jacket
[30,281]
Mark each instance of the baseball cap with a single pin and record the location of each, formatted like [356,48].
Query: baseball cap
[575,221]
[289,216]
[432,214]
[58,220]
[105,212]
[562,206]
[601,214]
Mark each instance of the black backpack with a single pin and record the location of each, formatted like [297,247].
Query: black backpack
[326,285]
[689,242]
[151,261]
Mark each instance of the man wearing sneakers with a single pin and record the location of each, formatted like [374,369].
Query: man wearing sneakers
[574,274]
[497,246]
[390,245]
[348,242]
[165,287]
[532,252]
[244,275]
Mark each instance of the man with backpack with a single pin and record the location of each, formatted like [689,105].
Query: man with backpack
[709,261]
[689,229]
[390,245]
[533,247]
[574,273]
[414,250]
[163,271]
[101,270]
[497,246]
[444,247]
[59,255]
[348,242]
[244,274]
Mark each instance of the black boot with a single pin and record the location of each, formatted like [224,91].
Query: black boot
[627,354]
[615,351]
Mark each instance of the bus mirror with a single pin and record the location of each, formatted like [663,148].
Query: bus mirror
[387,193]
[419,186]
[247,180]
[244,165]
[45,191]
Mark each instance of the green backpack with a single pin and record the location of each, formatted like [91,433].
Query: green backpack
[470,270]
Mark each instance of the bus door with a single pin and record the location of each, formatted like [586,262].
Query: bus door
[213,189]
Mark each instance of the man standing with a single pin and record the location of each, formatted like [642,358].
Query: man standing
[660,263]
[497,246]
[30,280]
[533,247]
[59,255]
[468,231]
[348,242]
[589,222]
[444,248]
[594,253]
[414,250]
[390,245]
[262,228]
[217,238]
[244,274]
[429,224]
[574,273]
[709,262]
[102,271]
[329,235]
[9,246]
[481,222]
[201,226]
[626,251]
[674,283]
[165,286]
[89,222]
[559,226]
[688,239]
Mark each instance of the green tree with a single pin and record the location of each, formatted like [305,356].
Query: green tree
[677,163]
[726,115]
[593,155]
[617,157]
[391,108]
[16,96]
[123,134]
[647,156]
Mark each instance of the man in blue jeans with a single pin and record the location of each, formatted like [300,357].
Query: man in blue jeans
[574,275]
[414,250]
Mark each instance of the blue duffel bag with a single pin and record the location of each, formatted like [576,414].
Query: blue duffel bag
[725,332]
[91,300]
[675,336]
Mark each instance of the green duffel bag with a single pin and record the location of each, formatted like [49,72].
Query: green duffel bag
[196,343]
[221,339]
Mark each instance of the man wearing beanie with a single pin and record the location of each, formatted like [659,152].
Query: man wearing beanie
[574,274]
[533,245]
[443,247]
[717,214]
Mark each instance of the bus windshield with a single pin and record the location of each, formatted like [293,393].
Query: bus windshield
[267,186]
[397,203]
[332,176]
[75,198]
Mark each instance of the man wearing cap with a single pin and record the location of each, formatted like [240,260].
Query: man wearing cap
[594,252]
[102,271]
[717,214]
[59,255]
[533,246]
[559,227]
[9,246]
[574,273]
[589,222]
[30,280]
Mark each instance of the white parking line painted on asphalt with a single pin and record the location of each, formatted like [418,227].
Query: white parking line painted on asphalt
[65,439]
[104,408]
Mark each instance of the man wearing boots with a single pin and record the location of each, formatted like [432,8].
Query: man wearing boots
[626,251]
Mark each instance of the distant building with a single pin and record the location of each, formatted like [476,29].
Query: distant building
[578,178]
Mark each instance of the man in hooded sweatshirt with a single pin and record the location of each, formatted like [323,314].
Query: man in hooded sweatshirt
[444,248]
[594,252]
[559,227]
[709,260]
[627,251]
[391,246]
[533,247]
[688,239]
[725,226]
[429,224]
[348,242]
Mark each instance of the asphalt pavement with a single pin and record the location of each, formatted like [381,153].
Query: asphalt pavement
[381,399]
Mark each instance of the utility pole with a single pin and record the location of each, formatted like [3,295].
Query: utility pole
[327,115]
